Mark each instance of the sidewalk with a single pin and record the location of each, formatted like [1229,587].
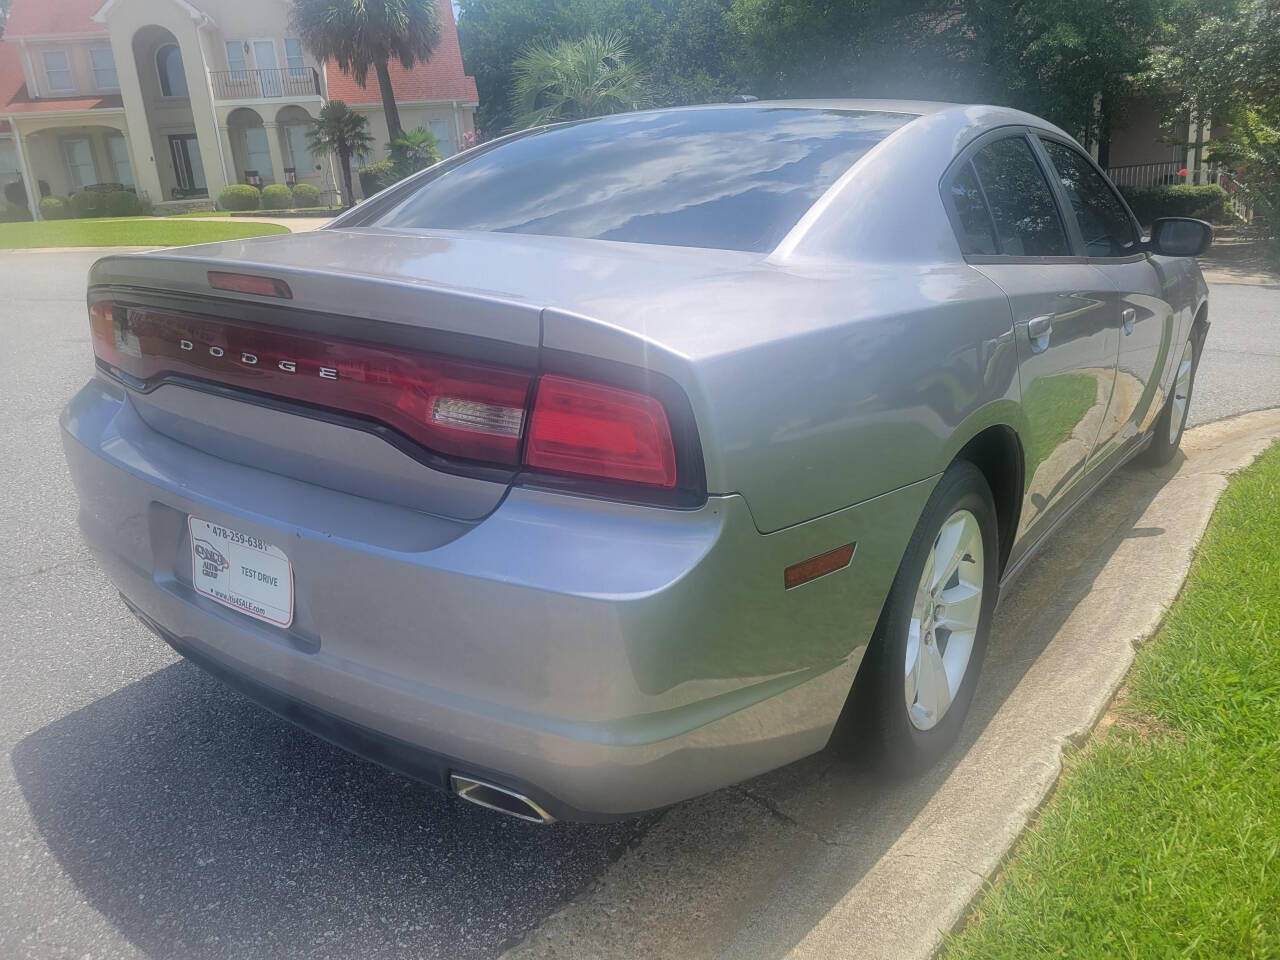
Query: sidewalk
[823,860]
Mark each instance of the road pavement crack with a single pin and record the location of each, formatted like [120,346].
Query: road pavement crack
[780,814]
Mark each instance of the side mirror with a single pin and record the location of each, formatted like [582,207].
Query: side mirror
[1180,237]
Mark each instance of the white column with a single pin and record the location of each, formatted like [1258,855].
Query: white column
[30,182]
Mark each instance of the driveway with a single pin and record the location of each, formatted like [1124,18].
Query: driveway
[145,811]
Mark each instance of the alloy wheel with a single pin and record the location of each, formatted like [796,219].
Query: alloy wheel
[944,620]
[1181,393]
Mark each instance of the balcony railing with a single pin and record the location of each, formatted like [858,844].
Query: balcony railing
[273,83]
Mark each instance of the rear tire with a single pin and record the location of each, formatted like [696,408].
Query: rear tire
[1172,421]
[913,690]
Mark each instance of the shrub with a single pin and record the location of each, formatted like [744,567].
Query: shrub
[412,151]
[276,196]
[376,176]
[306,195]
[54,208]
[88,203]
[1206,202]
[16,194]
[13,214]
[145,206]
[239,196]
[122,203]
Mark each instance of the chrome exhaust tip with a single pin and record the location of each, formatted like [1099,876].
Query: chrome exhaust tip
[493,797]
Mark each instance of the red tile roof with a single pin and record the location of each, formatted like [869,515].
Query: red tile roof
[440,78]
[28,18]
[14,97]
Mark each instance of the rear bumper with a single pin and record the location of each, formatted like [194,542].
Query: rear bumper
[603,659]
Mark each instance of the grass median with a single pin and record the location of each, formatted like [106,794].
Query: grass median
[128,232]
[1163,838]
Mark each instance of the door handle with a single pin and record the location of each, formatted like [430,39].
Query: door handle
[1038,330]
[1127,316]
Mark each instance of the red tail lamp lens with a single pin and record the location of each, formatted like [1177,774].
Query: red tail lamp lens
[102,331]
[592,430]
[248,283]
[452,407]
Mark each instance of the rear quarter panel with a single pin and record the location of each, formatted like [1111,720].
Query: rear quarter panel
[818,388]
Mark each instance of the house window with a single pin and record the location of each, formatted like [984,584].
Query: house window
[440,130]
[57,68]
[236,59]
[173,78]
[104,69]
[293,57]
[119,151]
[257,155]
[299,153]
[79,156]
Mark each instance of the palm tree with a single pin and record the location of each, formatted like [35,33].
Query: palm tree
[340,130]
[575,79]
[359,34]
[414,150]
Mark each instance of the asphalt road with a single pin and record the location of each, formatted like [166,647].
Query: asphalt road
[146,811]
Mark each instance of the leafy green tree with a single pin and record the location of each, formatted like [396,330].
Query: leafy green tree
[685,47]
[339,129]
[364,34]
[575,79]
[412,151]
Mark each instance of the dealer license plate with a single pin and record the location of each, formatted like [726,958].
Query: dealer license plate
[241,571]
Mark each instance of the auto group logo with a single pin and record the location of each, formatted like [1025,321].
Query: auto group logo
[214,562]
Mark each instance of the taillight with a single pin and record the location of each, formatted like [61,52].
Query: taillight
[592,430]
[453,407]
[102,331]
[456,408]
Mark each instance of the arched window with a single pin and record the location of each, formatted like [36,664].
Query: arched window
[173,79]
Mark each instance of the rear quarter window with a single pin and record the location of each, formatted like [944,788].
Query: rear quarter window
[736,178]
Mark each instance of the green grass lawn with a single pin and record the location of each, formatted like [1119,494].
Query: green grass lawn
[1163,839]
[127,232]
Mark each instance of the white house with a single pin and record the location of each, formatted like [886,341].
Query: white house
[178,98]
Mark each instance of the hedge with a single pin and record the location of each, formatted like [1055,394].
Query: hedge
[54,208]
[276,196]
[239,196]
[1206,202]
[306,195]
[9,213]
[376,176]
[16,193]
[122,203]
[88,203]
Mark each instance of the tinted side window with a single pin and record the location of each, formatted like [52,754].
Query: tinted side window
[1104,224]
[972,220]
[1026,217]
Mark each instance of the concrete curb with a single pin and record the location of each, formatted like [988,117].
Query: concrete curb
[822,859]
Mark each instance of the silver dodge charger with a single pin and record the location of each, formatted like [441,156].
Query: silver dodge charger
[616,461]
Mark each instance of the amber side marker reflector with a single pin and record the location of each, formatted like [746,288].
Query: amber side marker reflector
[818,566]
[248,283]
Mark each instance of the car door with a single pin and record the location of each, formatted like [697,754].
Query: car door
[1143,293]
[1011,229]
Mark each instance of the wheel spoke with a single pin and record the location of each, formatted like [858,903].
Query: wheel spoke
[932,689]
[949,550]
[962,606]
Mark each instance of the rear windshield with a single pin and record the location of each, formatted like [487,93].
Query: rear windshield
[734,178]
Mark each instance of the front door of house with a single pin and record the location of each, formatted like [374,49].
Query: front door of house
[187,166]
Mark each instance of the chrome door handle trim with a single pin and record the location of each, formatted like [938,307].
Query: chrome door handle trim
[1038,330]
[1127,316]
